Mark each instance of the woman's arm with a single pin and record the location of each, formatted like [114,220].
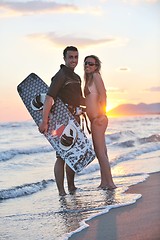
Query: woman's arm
[101,90]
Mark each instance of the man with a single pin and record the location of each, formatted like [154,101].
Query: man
[66,85]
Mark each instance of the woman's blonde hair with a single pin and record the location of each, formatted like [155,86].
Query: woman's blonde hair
[97,61]
[98,64]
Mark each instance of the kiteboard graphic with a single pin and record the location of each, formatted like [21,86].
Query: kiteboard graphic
[64,133]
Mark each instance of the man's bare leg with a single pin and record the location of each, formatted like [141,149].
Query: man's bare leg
[70,179]
[59,175]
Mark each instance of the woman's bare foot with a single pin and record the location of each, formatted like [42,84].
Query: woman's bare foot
[105,187]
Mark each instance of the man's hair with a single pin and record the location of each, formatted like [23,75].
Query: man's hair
[69,48]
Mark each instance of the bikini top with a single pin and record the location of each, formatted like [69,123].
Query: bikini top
[91,89]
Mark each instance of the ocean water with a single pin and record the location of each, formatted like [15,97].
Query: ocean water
[30,207]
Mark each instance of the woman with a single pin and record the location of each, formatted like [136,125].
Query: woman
[95,94]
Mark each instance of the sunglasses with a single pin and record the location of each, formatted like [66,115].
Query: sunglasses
[89,63]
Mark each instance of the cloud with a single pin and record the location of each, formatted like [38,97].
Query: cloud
[153,89]
[123,69]
[139,1]
[133,1]
[30,7]
[79,41]
[14,8]
[33,7]
[115,90]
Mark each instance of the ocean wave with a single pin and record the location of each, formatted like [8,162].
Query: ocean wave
[24,190]
[7,155]
[152,138]
[133,154]
[10,124]
[130,175]
[126,144]
[110,138]
[17,124]
[131,143]
[89,169]
[153,145]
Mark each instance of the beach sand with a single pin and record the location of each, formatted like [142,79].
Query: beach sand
[138,221]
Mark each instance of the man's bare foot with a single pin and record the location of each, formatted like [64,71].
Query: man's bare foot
[62,193]
[72,190]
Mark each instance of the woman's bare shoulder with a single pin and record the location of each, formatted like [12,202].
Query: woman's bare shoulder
[97,77]
[98,81]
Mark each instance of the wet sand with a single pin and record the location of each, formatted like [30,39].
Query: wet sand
[138,221]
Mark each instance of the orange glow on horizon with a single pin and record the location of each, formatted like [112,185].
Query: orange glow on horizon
[110,106]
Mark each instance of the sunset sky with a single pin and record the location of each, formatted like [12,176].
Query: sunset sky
[124,34]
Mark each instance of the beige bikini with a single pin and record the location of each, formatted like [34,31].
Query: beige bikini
[91,92]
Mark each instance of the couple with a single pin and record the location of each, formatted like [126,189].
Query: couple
[66,84]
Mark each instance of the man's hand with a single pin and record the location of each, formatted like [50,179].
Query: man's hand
[43,127]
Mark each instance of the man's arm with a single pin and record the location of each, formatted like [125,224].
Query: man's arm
[56,83]
[43,126]
[82,101]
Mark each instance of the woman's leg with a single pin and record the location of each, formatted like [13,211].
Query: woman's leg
[98,136]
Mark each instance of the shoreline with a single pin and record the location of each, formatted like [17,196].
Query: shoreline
[138,221]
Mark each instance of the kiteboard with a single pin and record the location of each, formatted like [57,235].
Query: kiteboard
[64,133]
